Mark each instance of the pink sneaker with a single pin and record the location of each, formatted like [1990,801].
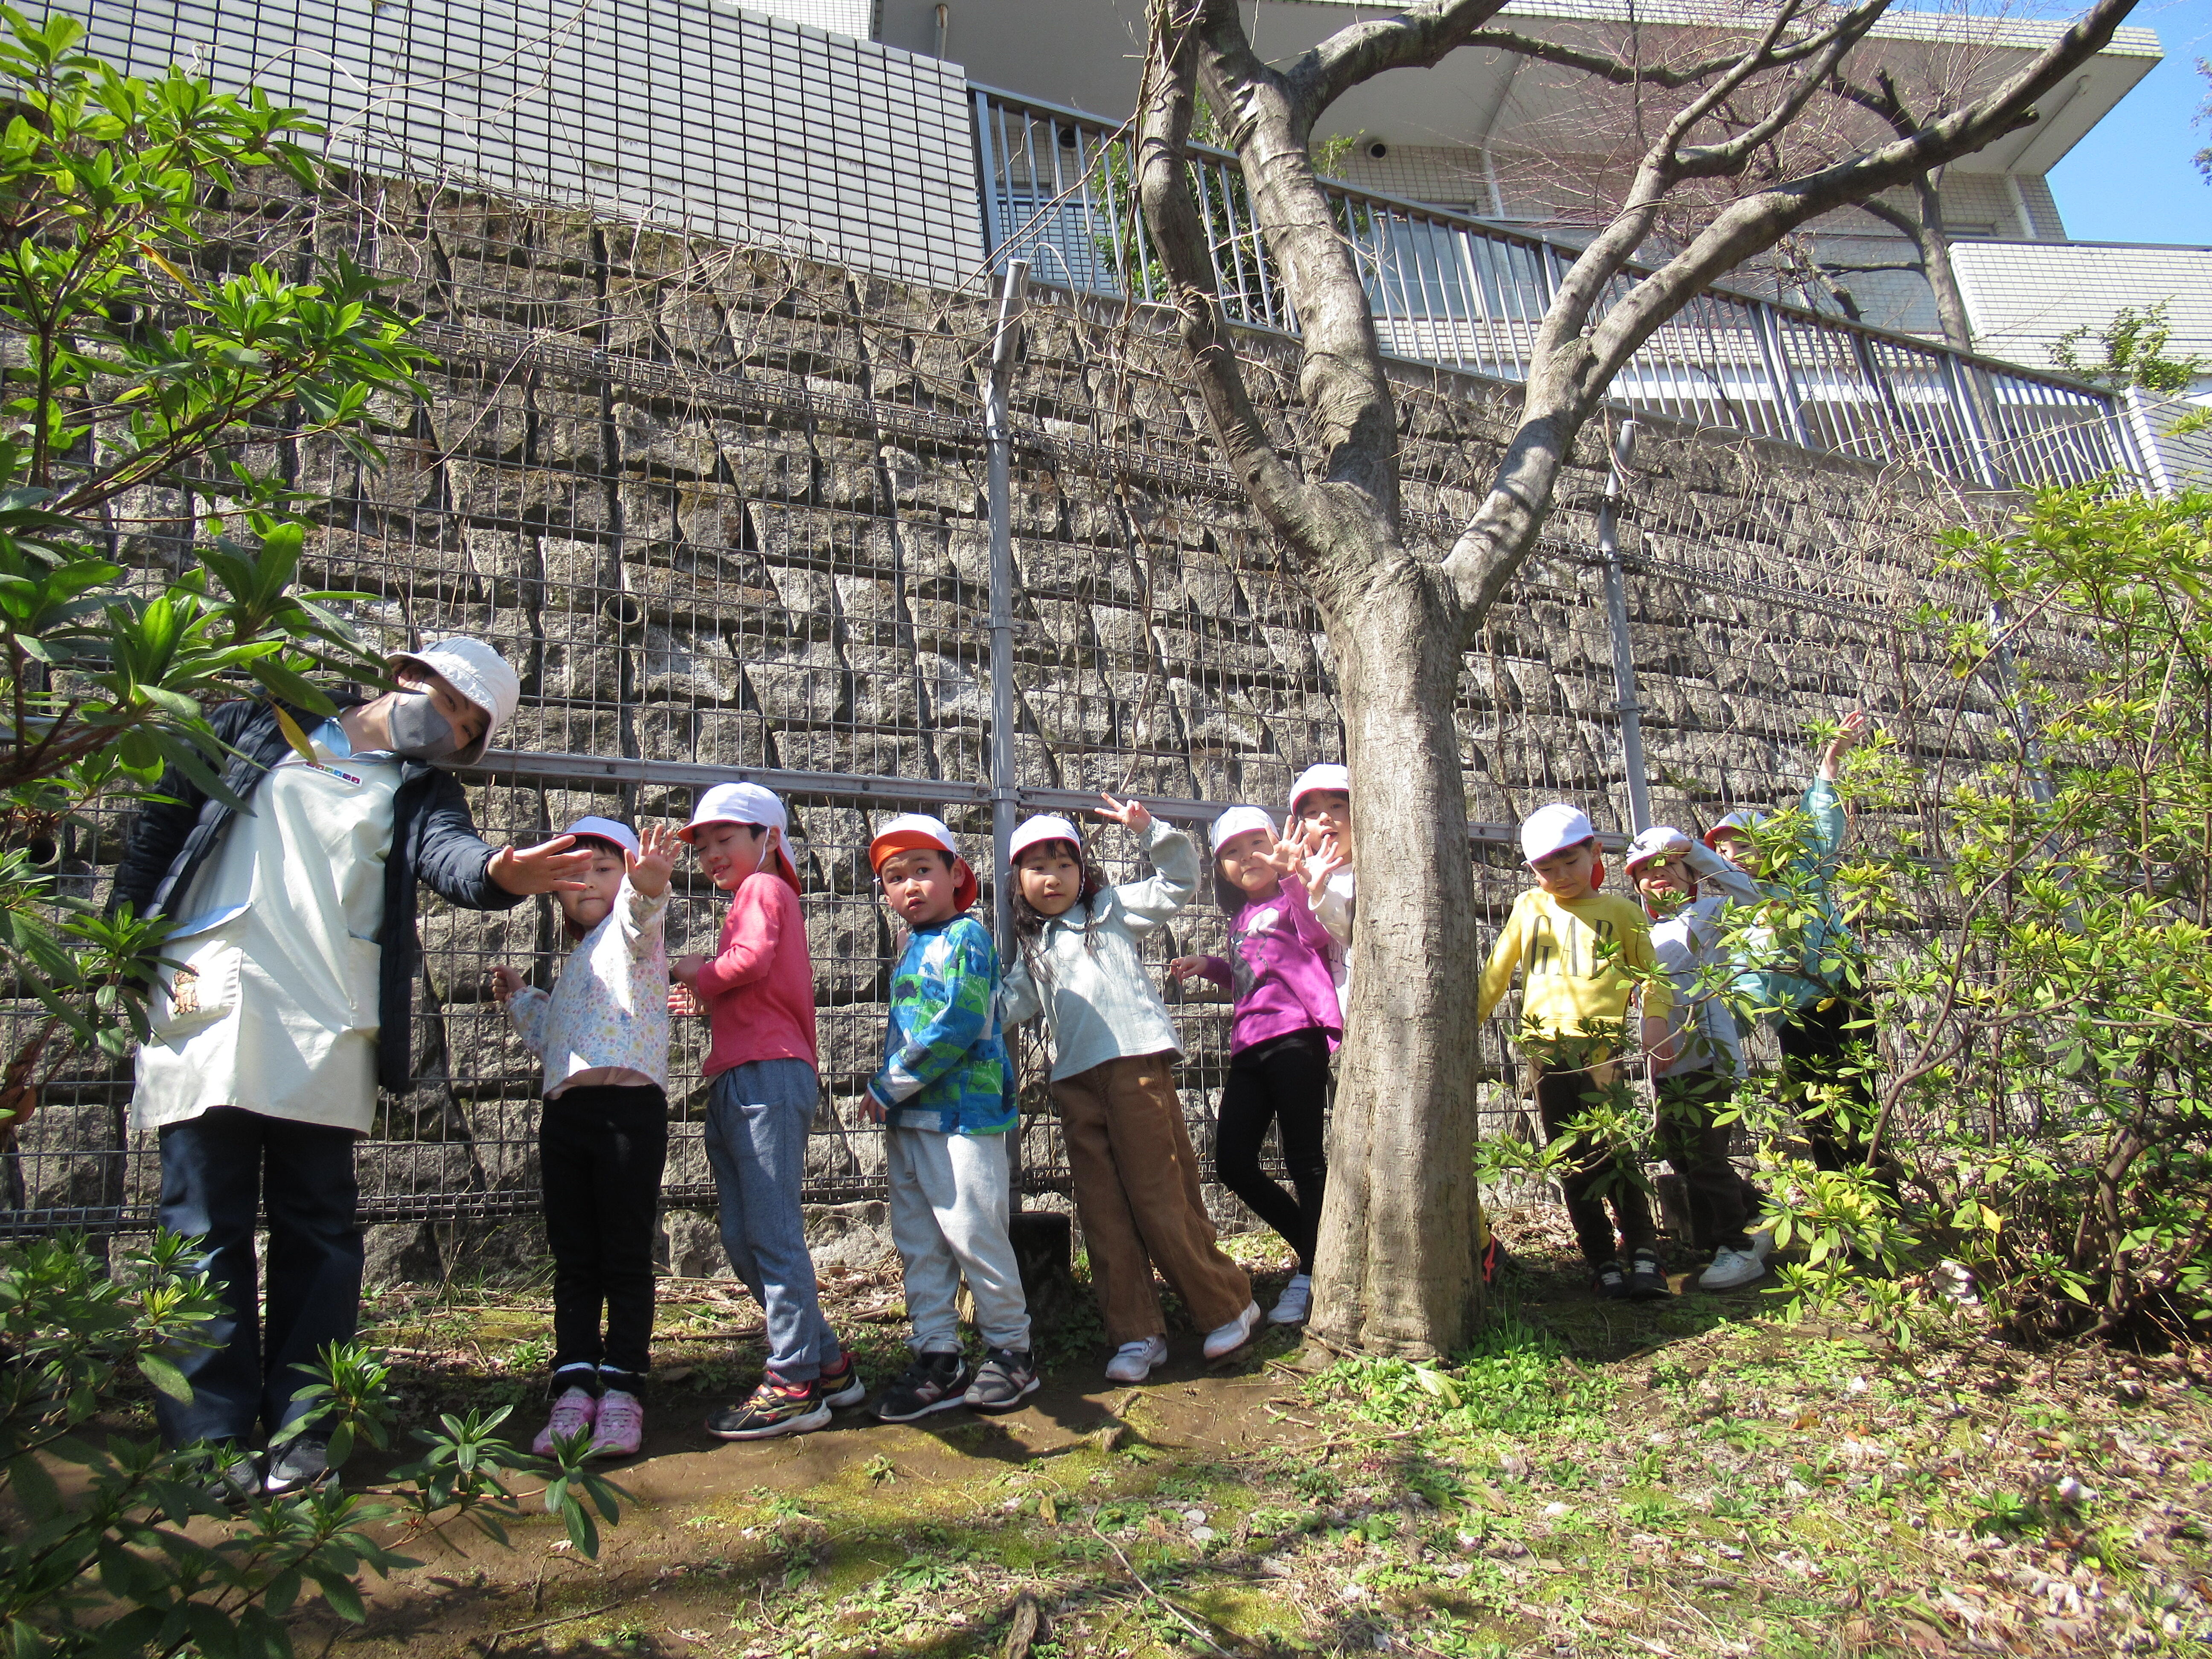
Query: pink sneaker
[622,1426]
[574,1411]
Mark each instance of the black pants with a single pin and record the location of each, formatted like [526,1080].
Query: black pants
[216,1171]
[1598,1175]
[1284,1080]
[600,1153]
[1815,1045]
[1722,1202]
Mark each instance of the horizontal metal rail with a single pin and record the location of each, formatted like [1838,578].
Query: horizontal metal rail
[1461,292]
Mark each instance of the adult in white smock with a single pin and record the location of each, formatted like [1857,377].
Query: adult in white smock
[296,948]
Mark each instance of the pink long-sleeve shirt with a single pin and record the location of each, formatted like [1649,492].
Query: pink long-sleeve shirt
[758,985]
[1278,969]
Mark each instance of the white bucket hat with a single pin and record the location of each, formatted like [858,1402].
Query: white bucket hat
[606,829]
[1548,828]
[745,803]
[1238,819]
[1046,826]
[479,673]
[1316,779]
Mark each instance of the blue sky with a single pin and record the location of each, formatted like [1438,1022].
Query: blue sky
[2131,179]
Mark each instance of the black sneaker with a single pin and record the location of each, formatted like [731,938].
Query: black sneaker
[1647,1279]
[301,1462]
[775,1409]
[841,1383]
[934,1383]
[1005,1379]
[1611,1281]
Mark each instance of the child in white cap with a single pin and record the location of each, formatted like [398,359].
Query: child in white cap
[1135,1174]
[1817,1004]
[1574,1002]
[602,1136]
[1286,1026]
[945,1097]
[1685,888]
[763,1087]
[1320,826]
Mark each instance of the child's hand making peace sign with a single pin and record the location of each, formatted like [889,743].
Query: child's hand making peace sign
[1131,815]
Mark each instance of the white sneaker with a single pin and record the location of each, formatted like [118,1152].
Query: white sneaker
[1132,1362]
[1731,1268]
[1297,1302]
[1954,1282]
[1235,1334]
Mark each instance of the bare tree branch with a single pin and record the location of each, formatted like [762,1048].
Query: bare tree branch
[1417,38]
[1621,71]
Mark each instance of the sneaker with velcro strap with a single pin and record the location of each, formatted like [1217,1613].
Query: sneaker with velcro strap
[1003,1381]
[776,1407]
[934,1383]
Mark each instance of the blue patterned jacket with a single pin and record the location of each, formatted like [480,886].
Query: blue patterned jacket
[944,1066]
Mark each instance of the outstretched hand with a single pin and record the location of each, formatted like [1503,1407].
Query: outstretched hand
[505,982]
[1854,728]
[654,861]
[683,1001]
[1318,866]
[548,867]
[1183,968]
[1131,815]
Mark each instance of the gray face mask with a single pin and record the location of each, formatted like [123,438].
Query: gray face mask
[419,731]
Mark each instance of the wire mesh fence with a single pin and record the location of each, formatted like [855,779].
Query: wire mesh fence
[722,507]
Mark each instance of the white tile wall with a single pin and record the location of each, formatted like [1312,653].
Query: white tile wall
[684,112]
[2024,296]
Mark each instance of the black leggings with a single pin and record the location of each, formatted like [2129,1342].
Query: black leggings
[1824,1048]
[600,1153]
[1283,1080]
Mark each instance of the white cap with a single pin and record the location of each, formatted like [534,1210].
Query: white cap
[1661,841]
[1548,828]
[479,673]
[606,829]
[1741,823]
[744,803]
[1046,826]
[1238,819]
[1315,778]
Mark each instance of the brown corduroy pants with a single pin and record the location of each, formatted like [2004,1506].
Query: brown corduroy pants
[1137,1195]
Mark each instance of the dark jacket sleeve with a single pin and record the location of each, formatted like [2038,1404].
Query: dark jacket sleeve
[161,827]
[455,860]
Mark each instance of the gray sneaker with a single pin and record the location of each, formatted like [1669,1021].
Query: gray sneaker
[301,1462]
[1002,1381]
[234,1485]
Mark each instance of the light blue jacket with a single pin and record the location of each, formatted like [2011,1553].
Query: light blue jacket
[945,1067]
[1826,941]
[1098,999]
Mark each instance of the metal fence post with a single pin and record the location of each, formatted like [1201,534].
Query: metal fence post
[999,440]
[1616,613]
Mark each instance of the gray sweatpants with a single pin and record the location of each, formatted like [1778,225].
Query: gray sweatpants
[948,1204]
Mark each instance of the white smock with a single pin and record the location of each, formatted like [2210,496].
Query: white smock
[274,1007]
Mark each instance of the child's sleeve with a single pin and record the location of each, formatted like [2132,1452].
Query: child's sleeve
[528,1008]
[1726,880]
[1217,969]
[1504,961]
[1174,879]
[962,1017]
[1826,809]
[640,918]
[1335,910]
[1017,996]
[1658,995]
[1306,925]
[755,928]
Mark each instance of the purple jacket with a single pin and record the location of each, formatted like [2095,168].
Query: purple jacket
[1278,971]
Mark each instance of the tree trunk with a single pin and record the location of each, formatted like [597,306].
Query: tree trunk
[1397,1271]
[1934,242]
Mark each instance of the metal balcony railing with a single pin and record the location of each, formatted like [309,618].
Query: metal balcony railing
[1057,190]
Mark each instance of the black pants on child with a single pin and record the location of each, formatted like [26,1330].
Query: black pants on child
[1284,1080]
[600,1153]
[1599,1174]
[1722,1202]
[1816,1043]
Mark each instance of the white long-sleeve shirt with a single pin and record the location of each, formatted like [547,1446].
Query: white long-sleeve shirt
[606,1022]
[1688,942]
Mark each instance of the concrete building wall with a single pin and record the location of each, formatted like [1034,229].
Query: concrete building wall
[685,112]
